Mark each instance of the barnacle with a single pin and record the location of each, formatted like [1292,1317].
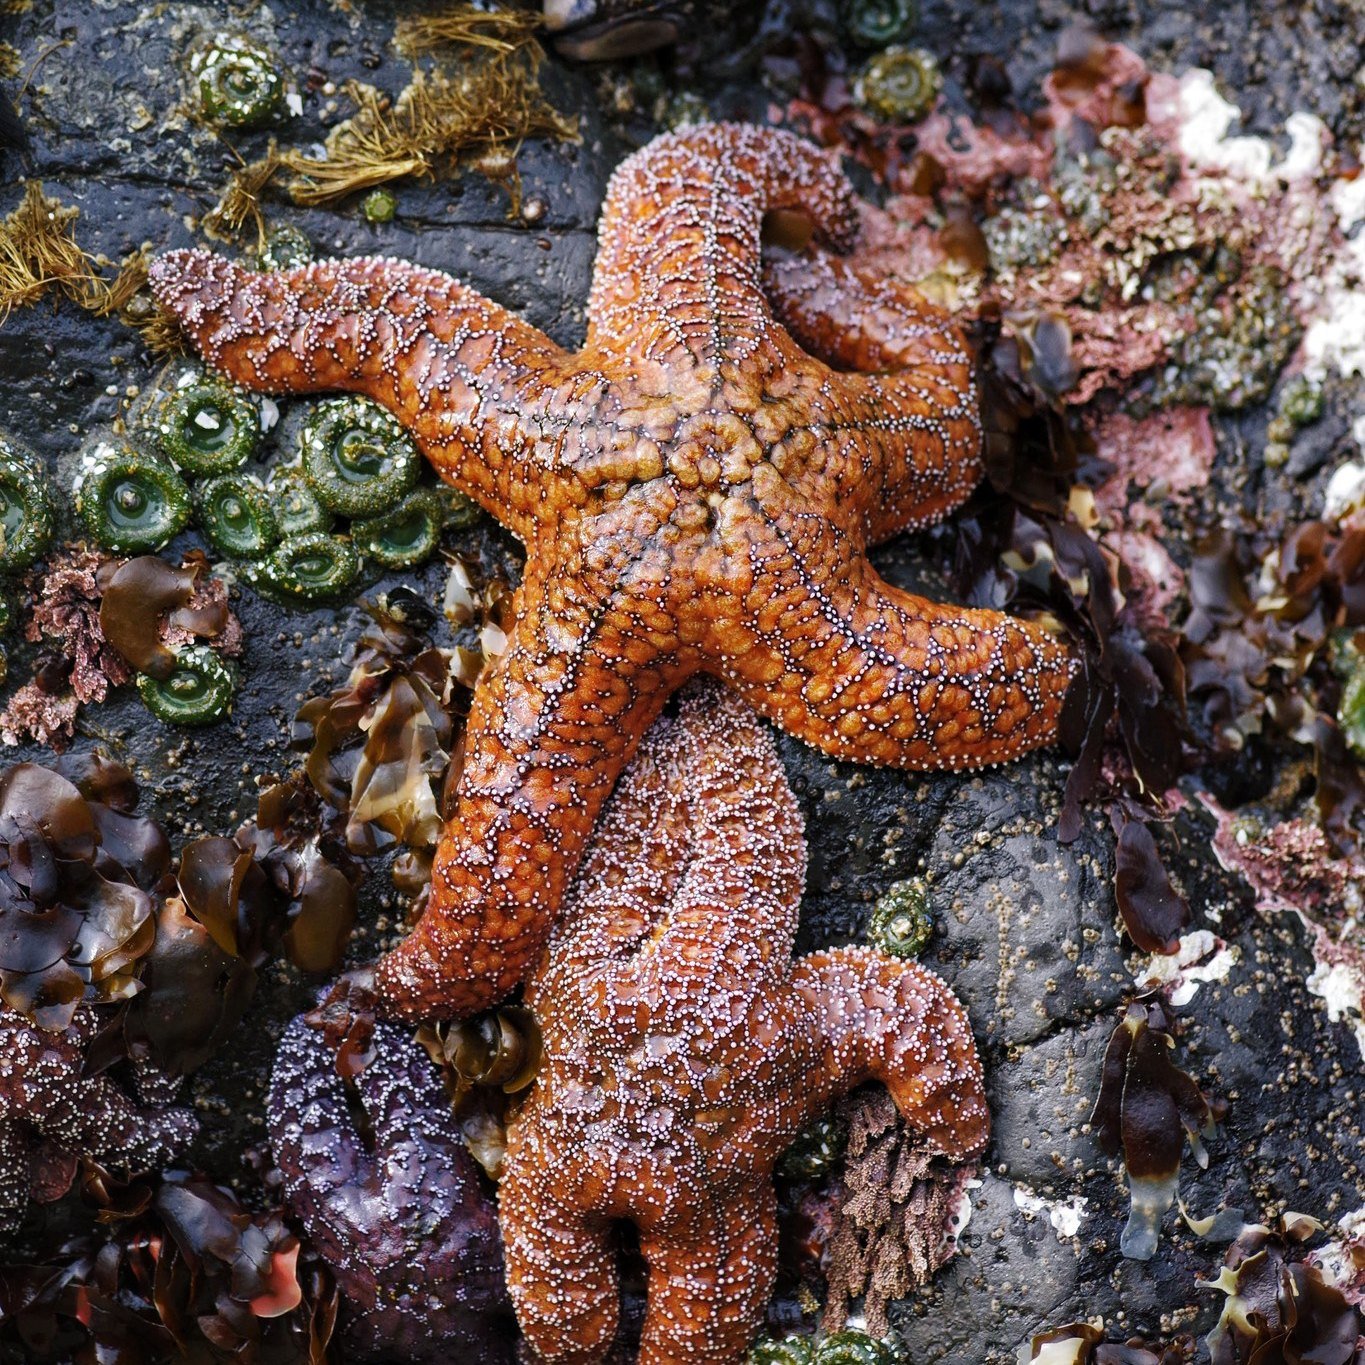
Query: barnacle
[238,82]
[901,922]
[284,248]
[236,515]
[207,427]
[1301,401]
[899,85]
[296,507]
[315,567]
[198,691]
[25,508]
[130,501]
[878,23]
[357,458]
[406,534]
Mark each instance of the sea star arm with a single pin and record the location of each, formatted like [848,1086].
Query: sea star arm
[550,729]
[90,1115]
[452,366]
[15,1170]
[711,1274]
[870,673]
[680,239]
[898,424]
[561,1261]
[895,1022]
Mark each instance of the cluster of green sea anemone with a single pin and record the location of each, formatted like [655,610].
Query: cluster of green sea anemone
[194,453]
[839,1348]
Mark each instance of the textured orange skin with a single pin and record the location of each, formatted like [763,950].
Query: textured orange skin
[695,492]
[684,1050]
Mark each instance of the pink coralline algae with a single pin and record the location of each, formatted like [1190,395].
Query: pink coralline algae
[684,1050]
[393,1206]
[52,1114]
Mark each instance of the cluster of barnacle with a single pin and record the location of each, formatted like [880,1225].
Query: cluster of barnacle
[191,456]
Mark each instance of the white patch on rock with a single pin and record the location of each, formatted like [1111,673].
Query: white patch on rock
[1065,1215]
[1201,956]
[1205,117]
[1341,987]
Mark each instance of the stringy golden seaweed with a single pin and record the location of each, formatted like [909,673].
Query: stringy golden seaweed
[501,30]
[38,252]
[489,105]
[241,200]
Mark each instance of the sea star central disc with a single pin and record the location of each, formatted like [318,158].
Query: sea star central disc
[696,493]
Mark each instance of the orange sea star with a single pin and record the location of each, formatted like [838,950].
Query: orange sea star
[684,1050]
[695,492]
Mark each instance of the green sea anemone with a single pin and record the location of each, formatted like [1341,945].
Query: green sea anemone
[816,1150]
[405,535]
[284,248]
[296,506]
[207,426]
[310,569]
[357,458]
[379,206]
[901,923]
[129,501]
[878,23]
[899,85]
[236,516]
[198,690]
[790,1350]
[238,82]
[25,508]
[852,1348]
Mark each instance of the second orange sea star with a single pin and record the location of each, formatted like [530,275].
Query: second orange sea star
[696,493]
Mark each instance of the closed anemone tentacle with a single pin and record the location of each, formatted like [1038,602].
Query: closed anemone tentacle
[238,82]
[878,23]
[296,507]
[207,427]
[358,459]
[899,85]
[25,507]
[236,516]
[311,568]
[130,501]
[404,535]
[198,690]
